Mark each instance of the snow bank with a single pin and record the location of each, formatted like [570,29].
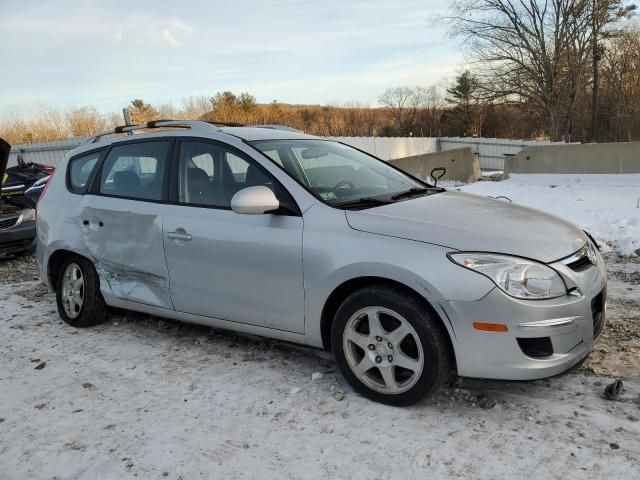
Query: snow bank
[604,205]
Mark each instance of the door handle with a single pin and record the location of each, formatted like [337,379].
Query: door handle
[179,235]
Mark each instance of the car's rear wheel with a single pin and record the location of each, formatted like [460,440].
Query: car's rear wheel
[389,345]
[78,296]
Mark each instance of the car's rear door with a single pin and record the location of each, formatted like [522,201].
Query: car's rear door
[122,220]
[243,268]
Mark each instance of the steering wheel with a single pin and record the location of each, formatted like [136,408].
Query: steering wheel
[343,184]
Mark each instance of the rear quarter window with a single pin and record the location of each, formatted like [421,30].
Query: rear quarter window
[80,169]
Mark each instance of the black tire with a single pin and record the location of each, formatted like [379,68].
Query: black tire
[93,309]
[430,332]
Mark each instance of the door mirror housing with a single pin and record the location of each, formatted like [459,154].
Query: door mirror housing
[254,201]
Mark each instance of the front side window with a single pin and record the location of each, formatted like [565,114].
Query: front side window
[80,169]
[135,170]
[210,175]
[338,174]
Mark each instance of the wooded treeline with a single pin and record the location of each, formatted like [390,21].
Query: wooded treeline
[572,63]
[559,69]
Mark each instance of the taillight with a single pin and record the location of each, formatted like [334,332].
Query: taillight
[46,186]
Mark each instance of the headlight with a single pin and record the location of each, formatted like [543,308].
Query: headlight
[27,215]
[518,277]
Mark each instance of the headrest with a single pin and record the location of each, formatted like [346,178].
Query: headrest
[126,180]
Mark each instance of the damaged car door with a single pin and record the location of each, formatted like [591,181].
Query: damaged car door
[122,220]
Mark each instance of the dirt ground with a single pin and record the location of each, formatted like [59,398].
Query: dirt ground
[143,397]
[617,351]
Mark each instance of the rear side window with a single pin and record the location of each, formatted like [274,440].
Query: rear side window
[80,169]
[135,170]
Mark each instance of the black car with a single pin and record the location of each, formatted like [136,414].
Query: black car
[21,187]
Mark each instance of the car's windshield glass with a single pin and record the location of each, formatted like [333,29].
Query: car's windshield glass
[338,174]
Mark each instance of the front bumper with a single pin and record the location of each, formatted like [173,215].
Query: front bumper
[544,337]
[18,239]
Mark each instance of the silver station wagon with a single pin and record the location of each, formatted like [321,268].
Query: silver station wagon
[269,231]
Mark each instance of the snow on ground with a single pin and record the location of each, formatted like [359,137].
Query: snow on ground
[604,205]
[150,398]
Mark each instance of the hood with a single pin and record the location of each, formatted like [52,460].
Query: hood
[467,222]
[5,148]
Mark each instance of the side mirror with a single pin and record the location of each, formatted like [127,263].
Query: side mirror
[434,174]
[254,201]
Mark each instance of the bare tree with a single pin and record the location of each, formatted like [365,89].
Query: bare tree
[433,104]
[47,123]
[167,111]
[85,121]
[620,89]
[114,119]
[13,126]
[522,47]
[604,15]
[194,108]
[403,102]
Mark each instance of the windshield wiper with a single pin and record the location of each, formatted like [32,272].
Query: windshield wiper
[363,203]
[416,191]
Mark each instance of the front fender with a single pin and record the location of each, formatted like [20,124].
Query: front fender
[334,253]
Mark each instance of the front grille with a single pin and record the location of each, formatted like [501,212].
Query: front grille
[537,347]
[581,264]
[597,311]
[8,222]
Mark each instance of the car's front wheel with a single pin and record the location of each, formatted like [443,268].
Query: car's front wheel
[78,296]
[389,346]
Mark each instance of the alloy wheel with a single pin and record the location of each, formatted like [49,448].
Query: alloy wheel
[383,350]
[73,288]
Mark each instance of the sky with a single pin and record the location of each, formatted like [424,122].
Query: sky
[105,53]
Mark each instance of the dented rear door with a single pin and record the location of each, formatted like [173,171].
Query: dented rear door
[122,221]
[125,240]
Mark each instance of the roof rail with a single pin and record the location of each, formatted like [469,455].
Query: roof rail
[226,124]
[277,127]
[167,123]
[163,123]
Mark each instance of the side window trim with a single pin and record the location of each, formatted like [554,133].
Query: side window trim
[174,173]
[76,191]
[94,185]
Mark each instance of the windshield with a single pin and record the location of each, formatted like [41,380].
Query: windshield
[338,174]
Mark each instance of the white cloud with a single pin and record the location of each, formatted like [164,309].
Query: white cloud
[313,51]
[95,26]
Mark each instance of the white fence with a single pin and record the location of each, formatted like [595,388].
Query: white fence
[490,151]
[388,148]
[48,153]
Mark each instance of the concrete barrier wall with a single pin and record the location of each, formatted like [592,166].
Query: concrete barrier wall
[461,164]
[584,158]
[491,151]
